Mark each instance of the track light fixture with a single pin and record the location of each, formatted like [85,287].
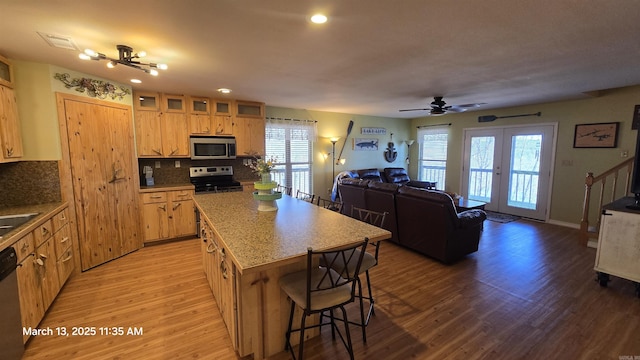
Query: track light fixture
[126,57]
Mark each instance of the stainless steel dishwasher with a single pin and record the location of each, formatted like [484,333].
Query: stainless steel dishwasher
[11,346]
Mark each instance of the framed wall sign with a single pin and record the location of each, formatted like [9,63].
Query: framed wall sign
[373,131]
[602,135]
[365,144]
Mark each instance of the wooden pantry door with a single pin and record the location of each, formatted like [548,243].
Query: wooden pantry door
[103,176]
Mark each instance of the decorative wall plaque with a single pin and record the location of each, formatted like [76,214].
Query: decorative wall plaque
[373,131]
[602,135]
[365,144]
[94,88]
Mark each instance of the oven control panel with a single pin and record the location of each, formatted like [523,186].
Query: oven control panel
[199,171]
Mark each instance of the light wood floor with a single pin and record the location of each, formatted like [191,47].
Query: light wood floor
[529,293]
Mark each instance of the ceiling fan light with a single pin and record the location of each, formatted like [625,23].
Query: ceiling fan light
[162,66]
[224,90]
[90,53]
[137,81]
[84,56]
[141,54]
[153,72]
[111,64]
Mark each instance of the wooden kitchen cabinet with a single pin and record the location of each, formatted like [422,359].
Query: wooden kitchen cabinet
[10,134]
[47,272]
[168,214]
[250,134]
[249,109]
[175,135]
[146,101]
[46,261]
[162,129]
[31,306]
[6,72]
[200,121]
[221,276]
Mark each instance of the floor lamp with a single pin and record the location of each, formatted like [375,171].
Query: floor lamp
[409,143]
[333,140]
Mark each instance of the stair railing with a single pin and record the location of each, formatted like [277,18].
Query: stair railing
[599,183]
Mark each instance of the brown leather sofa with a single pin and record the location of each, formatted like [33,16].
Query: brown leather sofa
[429,224]
[419,219]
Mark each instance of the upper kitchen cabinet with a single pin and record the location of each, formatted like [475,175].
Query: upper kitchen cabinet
[6,72]
[173,104]
[200,120]
[146,101]
[222,107]
[249,133]
[10,137]
[249,109]
[162,129]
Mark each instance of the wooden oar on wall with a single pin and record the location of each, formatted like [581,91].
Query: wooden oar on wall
[345,141]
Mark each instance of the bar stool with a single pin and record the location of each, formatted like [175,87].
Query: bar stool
[329,204]
[305,196]
[318,289]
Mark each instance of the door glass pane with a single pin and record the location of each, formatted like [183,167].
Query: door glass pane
[481,167]
[525,171]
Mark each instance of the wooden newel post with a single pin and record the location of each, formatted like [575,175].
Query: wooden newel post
[584,223]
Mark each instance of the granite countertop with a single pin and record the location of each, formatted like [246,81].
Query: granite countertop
[166,187]
[44,211]
[258,240]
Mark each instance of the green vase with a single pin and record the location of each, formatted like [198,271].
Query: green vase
[266,178]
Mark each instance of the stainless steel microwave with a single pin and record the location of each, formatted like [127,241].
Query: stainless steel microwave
[213,147]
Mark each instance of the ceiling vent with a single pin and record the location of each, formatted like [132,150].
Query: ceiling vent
[59,41]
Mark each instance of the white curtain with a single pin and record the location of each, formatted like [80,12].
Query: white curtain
[299,129]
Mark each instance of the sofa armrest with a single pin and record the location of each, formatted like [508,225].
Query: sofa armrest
[471,218]
[422,184]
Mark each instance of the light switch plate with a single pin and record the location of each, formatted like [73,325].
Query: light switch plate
[157,164]
[177,163]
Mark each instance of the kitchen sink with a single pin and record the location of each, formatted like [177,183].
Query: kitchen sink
[10,222]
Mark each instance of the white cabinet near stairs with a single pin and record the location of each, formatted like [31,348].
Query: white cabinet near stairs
[618,251]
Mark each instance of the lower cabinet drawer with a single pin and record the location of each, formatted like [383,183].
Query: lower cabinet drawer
[65,265]
[62,240]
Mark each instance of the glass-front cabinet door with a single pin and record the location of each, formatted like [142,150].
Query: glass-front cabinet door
[6,72]
[146,101]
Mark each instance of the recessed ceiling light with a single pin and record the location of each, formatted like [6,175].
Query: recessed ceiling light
[319,19]
[136,81]
[224,90]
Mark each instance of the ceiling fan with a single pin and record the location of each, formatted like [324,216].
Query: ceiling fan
[439,107]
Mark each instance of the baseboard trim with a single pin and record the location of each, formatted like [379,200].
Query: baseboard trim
[564,223]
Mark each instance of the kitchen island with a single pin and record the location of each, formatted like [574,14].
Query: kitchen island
[246,251]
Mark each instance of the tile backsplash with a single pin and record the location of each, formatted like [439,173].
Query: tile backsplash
[29,183]
[169,174]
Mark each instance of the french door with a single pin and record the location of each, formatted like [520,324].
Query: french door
[510,168]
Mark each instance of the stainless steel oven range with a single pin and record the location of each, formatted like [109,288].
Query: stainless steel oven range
[212,179]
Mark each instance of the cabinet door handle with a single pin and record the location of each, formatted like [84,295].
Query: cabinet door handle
[43,256]
[156,197]
[67,259]
[157,151]
[39,262]
[163,207]
[64,240]
[176,205]
[9,152]
[173,151]
[25,247]
[45,231]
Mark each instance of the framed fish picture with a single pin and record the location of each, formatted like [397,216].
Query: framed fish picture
[365,144]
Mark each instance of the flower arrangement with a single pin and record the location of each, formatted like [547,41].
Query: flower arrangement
[261,166]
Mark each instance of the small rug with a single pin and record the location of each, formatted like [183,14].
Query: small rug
[501,218]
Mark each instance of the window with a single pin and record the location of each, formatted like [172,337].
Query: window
[433,156]
[291,144]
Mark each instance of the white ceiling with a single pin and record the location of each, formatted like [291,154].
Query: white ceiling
[373,57]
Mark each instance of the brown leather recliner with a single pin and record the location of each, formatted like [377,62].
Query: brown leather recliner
[400,176]
[352,194]
[381,197]
[429,224]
